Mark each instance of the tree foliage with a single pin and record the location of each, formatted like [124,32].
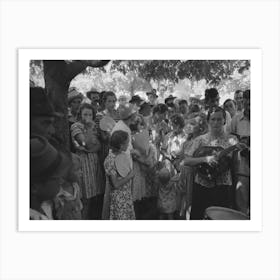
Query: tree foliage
[110,80]
[213,71]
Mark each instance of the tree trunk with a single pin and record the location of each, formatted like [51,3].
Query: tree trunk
[58,74]
[57,85]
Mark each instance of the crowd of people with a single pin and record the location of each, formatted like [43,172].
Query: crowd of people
[152,159]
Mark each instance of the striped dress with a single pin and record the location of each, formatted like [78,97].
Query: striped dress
[92,178]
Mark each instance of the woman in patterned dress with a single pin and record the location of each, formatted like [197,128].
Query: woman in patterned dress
[208,193]
[172,148]
[121,203]
[84,135]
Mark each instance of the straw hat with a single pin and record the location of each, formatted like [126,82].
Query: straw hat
[73,93]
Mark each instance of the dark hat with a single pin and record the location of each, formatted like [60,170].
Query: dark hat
[152,93]
[170,97]
[136,99]
[211,93]
[45,160]
[40,105]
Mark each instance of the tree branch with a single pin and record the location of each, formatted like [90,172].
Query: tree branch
[77,66]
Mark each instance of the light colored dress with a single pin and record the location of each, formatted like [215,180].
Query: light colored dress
[120,200]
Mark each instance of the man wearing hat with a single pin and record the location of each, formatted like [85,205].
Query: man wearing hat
[48,167]
[93,96]
[152,96]
[42,113]
[169,101]
[136,100]
[74,101]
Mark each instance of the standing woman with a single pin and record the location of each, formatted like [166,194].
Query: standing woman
[208,192]
[74,101]
[172,148]
[108,103]
[84,135]
[109,100]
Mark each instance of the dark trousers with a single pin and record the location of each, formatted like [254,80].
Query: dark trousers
[92,207]
[146,209]
[205,197]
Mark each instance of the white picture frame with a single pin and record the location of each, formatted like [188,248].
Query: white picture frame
[228,24]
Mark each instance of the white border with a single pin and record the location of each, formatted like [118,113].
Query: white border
[25,55]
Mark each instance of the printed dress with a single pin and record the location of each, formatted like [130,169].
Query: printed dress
[167,200]
[121,203]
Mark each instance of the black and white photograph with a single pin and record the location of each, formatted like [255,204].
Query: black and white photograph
[140,139]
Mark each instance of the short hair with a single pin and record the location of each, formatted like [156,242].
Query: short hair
[211,93]
[228,101]
[183,101]
[118,138]
[238,91]
[160,108]
[194,108]
[216,110]
[246,94]
[86,106]
[106,94]
[178,120]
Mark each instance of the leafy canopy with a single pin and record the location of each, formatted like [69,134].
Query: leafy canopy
[213,71]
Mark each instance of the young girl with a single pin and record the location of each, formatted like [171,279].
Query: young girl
[121,204]
[167,195]
[68,205]
[84,135]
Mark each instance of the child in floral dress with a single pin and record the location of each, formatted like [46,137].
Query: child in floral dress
[121,203]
